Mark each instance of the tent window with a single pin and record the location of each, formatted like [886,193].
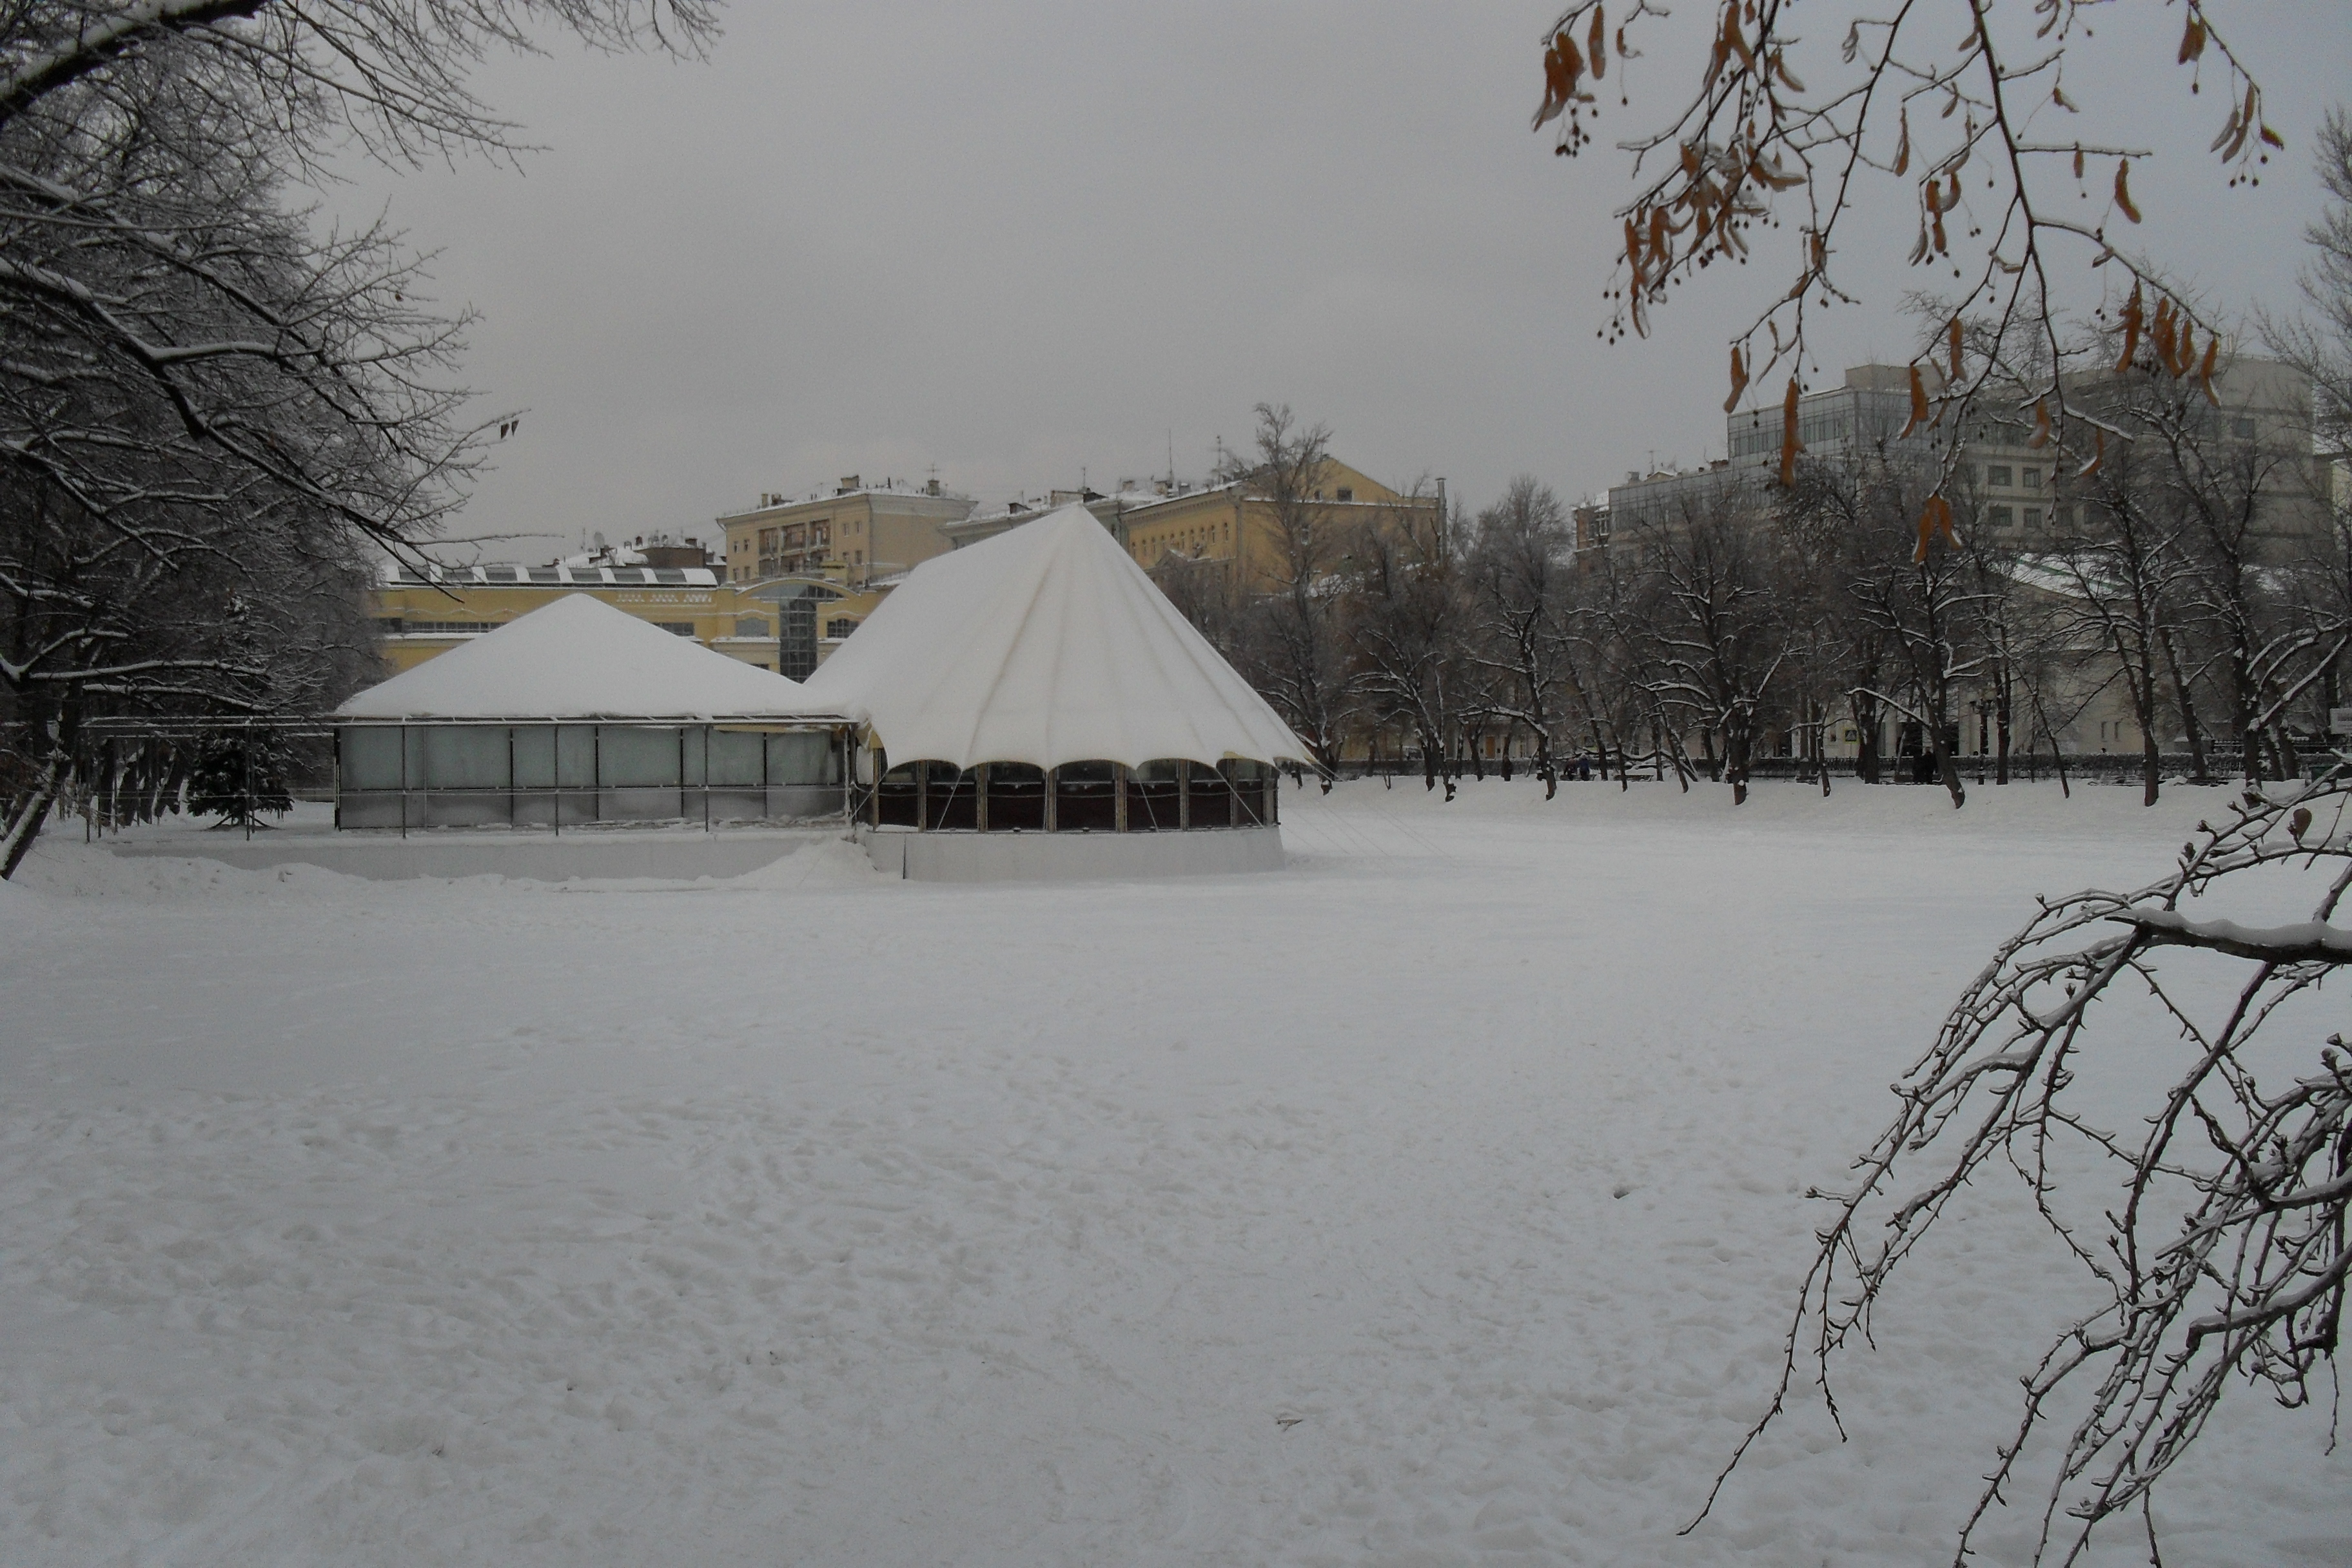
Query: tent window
[1154,799]
[950,797]
[1085,797]
[899,797]
[1017,797]
[1209,797]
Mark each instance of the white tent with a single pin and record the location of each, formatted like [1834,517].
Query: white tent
[1044,645]
[579,658]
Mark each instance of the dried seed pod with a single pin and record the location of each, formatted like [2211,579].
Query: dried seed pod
[2123,190]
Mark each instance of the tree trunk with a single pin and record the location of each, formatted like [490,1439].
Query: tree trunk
[2004,698]
[2199,769]
[32,811]
[1865,729]
[2151,761]
[1947,769]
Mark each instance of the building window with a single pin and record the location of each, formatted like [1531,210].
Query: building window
[839,626]
[2033,517]
[751,625]
[676,629]
[1346,494]
[2243,429]
[1997,474]
[2003,517]
[2032,477]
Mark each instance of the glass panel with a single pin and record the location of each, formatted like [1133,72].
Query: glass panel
[1085,797]
[642,804]
[1210,801]
[1152,798]
[636,756]
[899,797]
[1016,799]
[368,757]
[463,756]
[950,797]
[534,756]
[691,754]
[736,757]
[484,809]
[576,756]
[1250,783]
[804,758]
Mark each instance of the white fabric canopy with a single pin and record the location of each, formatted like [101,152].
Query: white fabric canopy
[579,658]
[1044,645]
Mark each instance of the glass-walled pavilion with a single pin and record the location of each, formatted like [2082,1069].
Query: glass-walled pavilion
[418,773]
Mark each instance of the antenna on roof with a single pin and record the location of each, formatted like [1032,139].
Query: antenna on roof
[1172,457]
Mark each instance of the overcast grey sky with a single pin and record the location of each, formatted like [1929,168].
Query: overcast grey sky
[1017,240]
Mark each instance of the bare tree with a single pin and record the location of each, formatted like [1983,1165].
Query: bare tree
[1293,645]
[2219,1245]
[1922,609]
[1718,642]
[2130,575]
[198,392]
[1406,619]
[2321,344]
[1518,571]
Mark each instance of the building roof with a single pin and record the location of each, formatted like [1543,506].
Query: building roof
[1044,645]
[579,658]
[573,573]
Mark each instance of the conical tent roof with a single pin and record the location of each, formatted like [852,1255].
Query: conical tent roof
[579,658]
[1044,645]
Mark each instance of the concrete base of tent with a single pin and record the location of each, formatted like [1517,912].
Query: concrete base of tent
[638,853]
[1069,857]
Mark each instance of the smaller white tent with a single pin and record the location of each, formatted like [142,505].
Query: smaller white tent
[579,658]
[1045,645]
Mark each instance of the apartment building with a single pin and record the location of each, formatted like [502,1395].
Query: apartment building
[1236,523]
[2019,495]
[869,532]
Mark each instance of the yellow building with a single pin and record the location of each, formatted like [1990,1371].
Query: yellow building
[1236,523]
[788,625]
[867,532]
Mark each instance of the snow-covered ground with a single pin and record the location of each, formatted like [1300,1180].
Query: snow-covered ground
[1436,1201]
